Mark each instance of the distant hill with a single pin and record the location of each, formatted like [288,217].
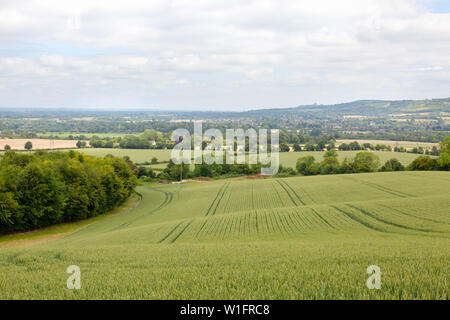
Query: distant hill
[360,107]
[366,107]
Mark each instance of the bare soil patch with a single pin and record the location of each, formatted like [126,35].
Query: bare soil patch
[19,144]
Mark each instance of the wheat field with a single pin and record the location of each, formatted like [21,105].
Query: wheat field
[292,238]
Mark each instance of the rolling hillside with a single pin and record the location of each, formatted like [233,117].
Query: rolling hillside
[365,107]
[295,238]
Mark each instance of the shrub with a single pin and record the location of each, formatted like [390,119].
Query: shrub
[366,162]
[307,166]
[444,158]
[392,165]
[424,163]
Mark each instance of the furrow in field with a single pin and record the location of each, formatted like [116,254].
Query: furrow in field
[375,217]
[380,187]
[293,192]
[170,232]
[277,193]
[279,226]
[221,197]
[358,219]
[287,222]
[293,222]
[223,224]
[288,193]
[167,200]
[211,207]
[225,227]
[322,218]
[415,216]
[214,205]
[181,232]
[212,224]
[309,196]
[201,228]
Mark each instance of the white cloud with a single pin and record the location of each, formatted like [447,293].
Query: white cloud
[183,53]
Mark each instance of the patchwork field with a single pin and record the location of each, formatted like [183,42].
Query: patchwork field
[294,238]
[286,158]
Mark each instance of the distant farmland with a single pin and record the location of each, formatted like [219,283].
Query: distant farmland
[290,158]
[405,144]
[87,135]
[294,238]
[286,158]
[19,144]
[136,155]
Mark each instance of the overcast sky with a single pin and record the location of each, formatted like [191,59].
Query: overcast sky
[222,55]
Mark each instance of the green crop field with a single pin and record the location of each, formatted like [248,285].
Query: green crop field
[136,155]
[289,159]
[293,238]
[286,158]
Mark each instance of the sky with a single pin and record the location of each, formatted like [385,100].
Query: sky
[221,55]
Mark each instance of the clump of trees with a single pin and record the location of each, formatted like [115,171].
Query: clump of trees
[96,142]
[174,172]
[134,142]
[362,162]
[350,146]
[428,163]
[81,144]
[42,188]
[392,165]
[149,139]
[419,150]
[355,146]
[424,163]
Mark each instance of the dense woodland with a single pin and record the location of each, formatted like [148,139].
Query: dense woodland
[42,188]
